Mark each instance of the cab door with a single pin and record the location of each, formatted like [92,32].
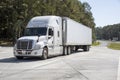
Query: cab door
[51,41]
[57,41]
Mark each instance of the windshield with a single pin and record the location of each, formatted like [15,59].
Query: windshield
[35,31]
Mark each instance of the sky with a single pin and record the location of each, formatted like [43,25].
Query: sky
[105,12]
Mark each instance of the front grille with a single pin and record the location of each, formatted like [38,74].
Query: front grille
[24,44]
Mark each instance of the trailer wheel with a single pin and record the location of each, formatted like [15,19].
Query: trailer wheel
[45,53]
[86,48]
[19,57]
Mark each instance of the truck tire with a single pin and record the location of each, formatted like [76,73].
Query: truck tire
[64,50]
[88,48]
[19,57]
[85,48]
[68,50]
[45,53]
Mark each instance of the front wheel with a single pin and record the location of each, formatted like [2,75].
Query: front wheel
[45,53]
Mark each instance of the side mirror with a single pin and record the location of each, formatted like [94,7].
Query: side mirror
[38,37]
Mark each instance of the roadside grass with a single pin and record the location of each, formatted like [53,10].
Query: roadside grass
[96,43]
[115,46]
[6,43]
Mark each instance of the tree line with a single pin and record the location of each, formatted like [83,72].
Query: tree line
[109,32]
[15,14]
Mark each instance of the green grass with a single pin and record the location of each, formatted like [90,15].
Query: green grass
[6,43]
[115,46]
[95,43]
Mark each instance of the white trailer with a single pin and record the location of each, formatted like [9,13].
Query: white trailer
[76,35]
[52,35]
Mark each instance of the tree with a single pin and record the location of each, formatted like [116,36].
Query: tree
[108,32]
[15,14]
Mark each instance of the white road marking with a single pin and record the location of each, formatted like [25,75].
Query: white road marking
[118,75]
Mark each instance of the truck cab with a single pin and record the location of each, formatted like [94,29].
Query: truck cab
[42,38]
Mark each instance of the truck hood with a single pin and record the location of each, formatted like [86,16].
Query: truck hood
[34,38]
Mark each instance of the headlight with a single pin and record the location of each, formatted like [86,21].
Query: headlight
[37,47]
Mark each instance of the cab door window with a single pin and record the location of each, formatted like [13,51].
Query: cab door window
[50,33]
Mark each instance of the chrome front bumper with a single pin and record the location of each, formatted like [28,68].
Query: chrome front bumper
[28,53]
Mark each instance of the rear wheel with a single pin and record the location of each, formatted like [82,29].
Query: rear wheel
[64,50]
[45,53]
[68,50]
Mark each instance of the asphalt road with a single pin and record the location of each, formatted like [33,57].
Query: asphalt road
[100,63]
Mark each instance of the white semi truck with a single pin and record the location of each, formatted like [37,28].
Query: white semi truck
[52,35]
